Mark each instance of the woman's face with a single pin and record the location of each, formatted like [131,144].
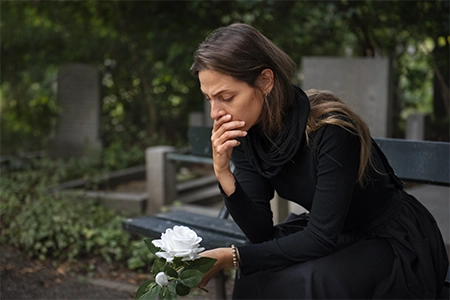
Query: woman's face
[230,96]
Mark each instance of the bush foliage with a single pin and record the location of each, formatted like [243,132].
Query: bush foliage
[51,225]
[143,51]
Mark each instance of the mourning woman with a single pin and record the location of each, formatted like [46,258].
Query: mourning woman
[364,236]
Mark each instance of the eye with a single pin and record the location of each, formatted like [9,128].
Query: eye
[226,99]
[207,99]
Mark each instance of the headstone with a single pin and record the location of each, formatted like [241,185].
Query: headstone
[362,83]
[196,118]
[78,128]
[417,126]
[207,111]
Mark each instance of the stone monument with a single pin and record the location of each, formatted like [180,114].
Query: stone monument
[418,126]
[363,83]
[78,128]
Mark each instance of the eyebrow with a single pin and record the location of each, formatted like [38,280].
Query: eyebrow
[218,93]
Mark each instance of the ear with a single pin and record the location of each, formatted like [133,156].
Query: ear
[266,80]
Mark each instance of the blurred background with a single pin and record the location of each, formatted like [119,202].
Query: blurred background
[143,51]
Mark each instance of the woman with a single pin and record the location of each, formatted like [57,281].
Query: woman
[364,237]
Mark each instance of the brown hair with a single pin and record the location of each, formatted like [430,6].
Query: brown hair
[327,108]
[242,52]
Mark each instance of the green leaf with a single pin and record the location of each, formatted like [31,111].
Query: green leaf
[153,249]
[144,289]
[191,278]
[177,261]
[166,293]
[152,294]
[182,290]
[158,266]
[202,264]
[171,271]
[172,294]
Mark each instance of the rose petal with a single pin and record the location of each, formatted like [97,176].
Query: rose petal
[169,258]
[179,241]
[162,279]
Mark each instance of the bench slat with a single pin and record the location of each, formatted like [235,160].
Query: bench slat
[420,161]
[189,158]
[216,225]
[152,227]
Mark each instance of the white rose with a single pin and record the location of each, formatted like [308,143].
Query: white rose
[181,241]
[162,279]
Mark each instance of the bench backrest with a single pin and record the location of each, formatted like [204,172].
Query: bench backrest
[419,161]
[200,140]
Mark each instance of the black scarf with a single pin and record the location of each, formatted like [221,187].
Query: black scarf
[268,157]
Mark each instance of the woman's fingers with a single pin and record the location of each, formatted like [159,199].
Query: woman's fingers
[206,278]
[227,131]
[224,139]
[225,122]
[227,138]
[222,117]
[223,260]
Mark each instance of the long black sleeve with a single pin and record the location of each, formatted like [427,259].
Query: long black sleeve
[325,175]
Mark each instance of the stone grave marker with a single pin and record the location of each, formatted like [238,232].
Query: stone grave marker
[78,128]
[363,83]
[418,126]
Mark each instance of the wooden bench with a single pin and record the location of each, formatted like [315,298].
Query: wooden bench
[414,161]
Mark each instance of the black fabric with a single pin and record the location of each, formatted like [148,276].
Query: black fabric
[321,177]
[268,157]
[402,258]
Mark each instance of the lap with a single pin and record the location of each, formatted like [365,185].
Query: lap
[351,272]
[402,258]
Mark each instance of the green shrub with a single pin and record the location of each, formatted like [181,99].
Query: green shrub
[49,225]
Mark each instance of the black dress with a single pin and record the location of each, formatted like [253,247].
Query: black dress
[374,241]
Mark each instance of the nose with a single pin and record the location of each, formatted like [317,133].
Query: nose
[215,109]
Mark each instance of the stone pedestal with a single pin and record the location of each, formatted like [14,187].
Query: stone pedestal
[160,177]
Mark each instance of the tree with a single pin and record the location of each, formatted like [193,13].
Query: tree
[144,50]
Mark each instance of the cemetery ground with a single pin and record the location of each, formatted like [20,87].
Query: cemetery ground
[22,277]
[26,278]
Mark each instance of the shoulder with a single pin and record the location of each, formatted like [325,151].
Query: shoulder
[332,137]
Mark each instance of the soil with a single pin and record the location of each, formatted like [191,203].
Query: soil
[26,278]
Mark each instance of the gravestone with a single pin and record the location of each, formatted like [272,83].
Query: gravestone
[362,83]
[196,118]
[417,126]
[207,111]
[78,128]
